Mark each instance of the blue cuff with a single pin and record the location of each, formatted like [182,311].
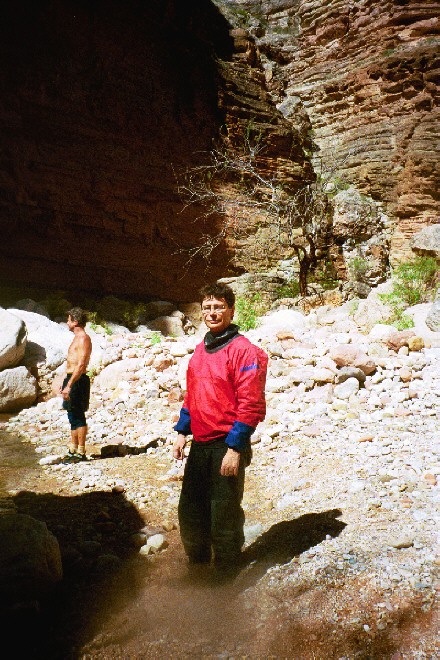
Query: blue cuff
[183,426]
[239,436]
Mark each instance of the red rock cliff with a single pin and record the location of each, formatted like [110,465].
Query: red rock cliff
[100,102]
[364,76]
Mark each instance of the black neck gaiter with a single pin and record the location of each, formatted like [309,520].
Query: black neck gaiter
[213,342]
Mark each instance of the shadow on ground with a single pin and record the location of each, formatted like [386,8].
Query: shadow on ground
[282,542]
[94,531]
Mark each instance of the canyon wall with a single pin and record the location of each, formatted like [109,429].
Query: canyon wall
[362,77]
[102,104]
[99,103]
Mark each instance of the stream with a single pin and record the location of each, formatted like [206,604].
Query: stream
[18,462]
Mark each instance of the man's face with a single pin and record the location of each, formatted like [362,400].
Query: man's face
[71,324]
[217,314]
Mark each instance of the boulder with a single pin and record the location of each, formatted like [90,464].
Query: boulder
[30,559]
[349,355]
[373,309]
[47,343]
[18,389]
[351,372]
[13,339]
[115,373]
[398,339]
[29,305]
[433,316]
[416,343]
[421,316]
[381,333]
[155,309]
[427,241]
[170,326]
[346,389]
[283,320]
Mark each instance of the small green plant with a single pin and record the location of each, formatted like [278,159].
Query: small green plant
[413,283]
[289,290]
[155,338]
[247,310]
[359,266]
[404,322]
[96,322]
[326,275]
[93,371]
[353,307]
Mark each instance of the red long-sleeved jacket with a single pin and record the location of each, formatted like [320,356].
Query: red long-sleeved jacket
[224,388]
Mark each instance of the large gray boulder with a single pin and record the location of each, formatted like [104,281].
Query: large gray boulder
[433,318]
[113,374]
[30,559]
[170,326]
[427,241]
[373,309]
[157,308]
[47,343]
[13,338]
[18,389]
[29,305]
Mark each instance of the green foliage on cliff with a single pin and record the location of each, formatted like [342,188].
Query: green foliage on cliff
[413,283]
[247,311]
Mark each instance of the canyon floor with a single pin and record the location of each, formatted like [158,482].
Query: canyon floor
[341,505]
[296,596]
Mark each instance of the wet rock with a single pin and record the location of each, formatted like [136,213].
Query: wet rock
[30,559]
[18,389]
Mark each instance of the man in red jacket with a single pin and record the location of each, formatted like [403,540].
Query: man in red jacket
[224,403]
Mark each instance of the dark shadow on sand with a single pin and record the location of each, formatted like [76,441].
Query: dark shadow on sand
[279,545]
[94,532]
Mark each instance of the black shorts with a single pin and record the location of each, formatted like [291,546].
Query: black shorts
[78,402]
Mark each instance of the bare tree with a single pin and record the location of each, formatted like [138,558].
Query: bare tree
[235,184]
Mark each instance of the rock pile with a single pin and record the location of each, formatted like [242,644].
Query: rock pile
[352,427]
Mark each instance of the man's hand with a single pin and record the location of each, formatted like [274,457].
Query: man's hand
[66,393]
[179,447]
[230,463]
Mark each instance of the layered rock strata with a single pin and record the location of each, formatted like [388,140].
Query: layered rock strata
[100,106]
[363,77]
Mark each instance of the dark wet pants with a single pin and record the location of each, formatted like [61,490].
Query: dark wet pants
[210,512]
[78,402]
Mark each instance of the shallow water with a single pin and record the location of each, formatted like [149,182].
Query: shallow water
[17,461]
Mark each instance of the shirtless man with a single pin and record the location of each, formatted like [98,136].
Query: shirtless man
[75,389]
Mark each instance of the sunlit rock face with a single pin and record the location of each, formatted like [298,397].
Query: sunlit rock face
[363,77]
[101,105]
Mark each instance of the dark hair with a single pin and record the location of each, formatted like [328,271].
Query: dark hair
[79,315]
[218,290]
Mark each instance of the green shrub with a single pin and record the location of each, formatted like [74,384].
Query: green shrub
[359,266]
[93,371]
[247,310]
[289,290]
[326,275]
[96,321]
[114,309]
[403,322]
[56,304]
[413,283]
